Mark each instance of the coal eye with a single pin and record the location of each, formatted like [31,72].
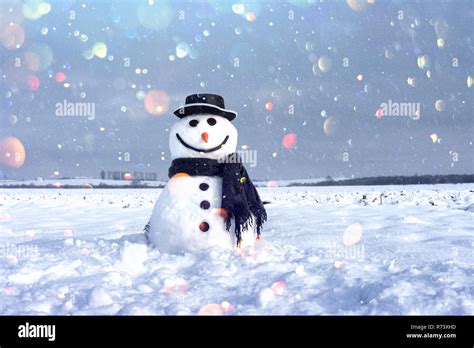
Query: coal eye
[211,121]
[193,123]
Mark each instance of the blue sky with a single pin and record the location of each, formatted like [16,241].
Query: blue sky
[287,67]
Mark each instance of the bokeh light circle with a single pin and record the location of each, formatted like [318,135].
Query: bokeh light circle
[290,140]
[156,102]
[330,125]
[12,36]
[12,152]
[440,105]
[39,57]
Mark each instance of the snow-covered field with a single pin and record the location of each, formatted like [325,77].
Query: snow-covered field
[325,250]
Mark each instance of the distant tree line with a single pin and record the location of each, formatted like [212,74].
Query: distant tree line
[395,180]
[378,180]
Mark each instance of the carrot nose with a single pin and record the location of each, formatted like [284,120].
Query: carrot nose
[205,136]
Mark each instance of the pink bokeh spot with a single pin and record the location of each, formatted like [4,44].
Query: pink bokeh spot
[60,77]
[33,82]
[289,140]
[278,287]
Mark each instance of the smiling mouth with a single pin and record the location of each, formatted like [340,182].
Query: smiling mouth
[202,150]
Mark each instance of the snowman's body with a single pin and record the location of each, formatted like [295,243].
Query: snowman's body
[178,222]
[187,215]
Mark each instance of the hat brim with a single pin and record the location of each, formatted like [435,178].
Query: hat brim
[197,109]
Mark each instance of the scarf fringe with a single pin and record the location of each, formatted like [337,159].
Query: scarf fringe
[258,217]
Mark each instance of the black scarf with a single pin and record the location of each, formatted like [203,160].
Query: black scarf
[240,199]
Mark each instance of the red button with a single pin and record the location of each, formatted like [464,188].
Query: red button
[204,226]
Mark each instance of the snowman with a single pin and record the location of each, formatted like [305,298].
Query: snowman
[209,199]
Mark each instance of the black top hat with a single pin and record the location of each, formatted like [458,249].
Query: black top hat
[205,104]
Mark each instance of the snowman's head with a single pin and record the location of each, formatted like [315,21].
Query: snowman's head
[204,129]
[203,135]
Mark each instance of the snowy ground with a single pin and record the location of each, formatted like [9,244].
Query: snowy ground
[325,250]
